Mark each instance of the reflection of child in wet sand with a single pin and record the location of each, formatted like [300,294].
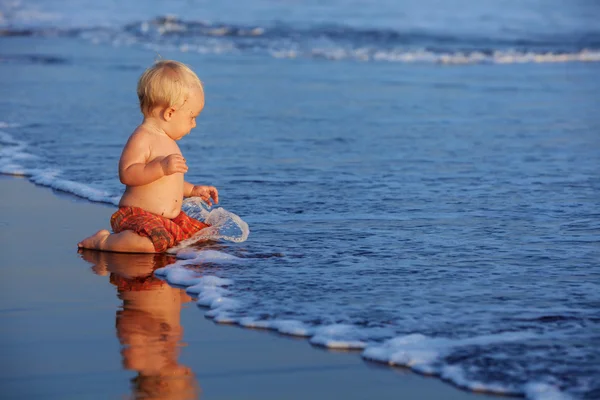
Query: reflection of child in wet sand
[148,326]
[149,219]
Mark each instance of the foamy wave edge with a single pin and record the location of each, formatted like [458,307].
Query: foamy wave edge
[457,58]
[499,57]
[13,151]
[420,353]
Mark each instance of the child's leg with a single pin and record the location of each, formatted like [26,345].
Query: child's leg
[123,242]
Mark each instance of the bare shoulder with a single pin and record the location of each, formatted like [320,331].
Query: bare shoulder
[138,146]
[139,136]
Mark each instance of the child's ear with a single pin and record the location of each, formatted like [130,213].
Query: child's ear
[168,113]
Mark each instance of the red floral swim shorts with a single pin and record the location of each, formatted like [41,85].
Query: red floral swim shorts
[163,232]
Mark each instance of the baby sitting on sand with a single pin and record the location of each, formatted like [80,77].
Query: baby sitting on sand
[150,219]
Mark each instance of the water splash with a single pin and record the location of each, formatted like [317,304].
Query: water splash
[224,225]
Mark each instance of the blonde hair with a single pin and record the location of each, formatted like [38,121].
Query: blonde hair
[166,83]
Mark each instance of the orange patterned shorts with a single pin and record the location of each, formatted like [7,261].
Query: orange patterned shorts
[163,232]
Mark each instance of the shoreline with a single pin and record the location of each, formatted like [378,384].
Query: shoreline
[135,333]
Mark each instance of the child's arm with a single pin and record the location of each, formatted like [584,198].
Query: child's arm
[206,193]
[135,170]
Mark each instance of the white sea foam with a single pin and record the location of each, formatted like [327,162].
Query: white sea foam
[544,391]
[292,327]
[456,375]
[429,57]
[209,290]
[345,336]
[339,336]
[51,178]
[194,256]
[179,276]
[425,355]
[419,352]
[11,155]
[404,56]
[171,25]
[207,297]
[349,43]
[221,306]
[212,292]
[288,327]
[14,152]
[400,55]
[217,41]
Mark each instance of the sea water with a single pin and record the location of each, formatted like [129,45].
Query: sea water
[420,178]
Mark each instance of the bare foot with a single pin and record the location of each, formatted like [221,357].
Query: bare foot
[95,241]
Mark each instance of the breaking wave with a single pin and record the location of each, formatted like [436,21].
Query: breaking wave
[335,42]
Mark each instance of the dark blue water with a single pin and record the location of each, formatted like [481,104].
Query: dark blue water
[385,190]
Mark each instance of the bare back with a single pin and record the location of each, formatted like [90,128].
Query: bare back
[162,196]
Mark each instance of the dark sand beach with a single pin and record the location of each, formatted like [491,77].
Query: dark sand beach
[100,326]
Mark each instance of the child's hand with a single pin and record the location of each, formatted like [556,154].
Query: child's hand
[173,164]
[206,193]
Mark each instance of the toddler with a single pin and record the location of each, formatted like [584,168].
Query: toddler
[149,219]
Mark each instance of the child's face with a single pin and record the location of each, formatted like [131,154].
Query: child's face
[183,118]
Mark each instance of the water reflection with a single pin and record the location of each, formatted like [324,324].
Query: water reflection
[148,324]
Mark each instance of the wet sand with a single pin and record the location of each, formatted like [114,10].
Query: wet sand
[94,325]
